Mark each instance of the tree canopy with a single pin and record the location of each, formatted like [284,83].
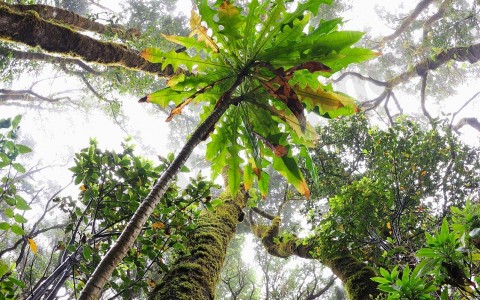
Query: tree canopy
[386,199]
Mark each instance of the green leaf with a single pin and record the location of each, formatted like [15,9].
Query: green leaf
[17,229]
[23,149]
[311,167]
[341,60]
[9,212]
[3,268]
[87,252]
[189,42]
[4,226]
[385,273]
[380,280]
[18,167]
[427,252]
[288,167]
[21,204]
[263,184]
[175,59]
[16,121]
[20,219]
[17,282]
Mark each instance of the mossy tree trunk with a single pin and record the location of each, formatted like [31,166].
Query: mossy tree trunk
[195,276]
[30,29]
[74,20]
[354,274]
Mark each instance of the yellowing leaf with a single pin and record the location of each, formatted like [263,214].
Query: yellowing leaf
[228,10]
[33,246]
[150,283]
[83,187]
[389,226]
[309,137]
[287,166]
[247,176]
[158,225]
[201,31]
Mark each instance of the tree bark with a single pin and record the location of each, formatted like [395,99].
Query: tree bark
[72,19]
[354,274]
[195,276]
[30,29]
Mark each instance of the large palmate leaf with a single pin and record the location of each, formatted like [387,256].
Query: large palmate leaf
[268,56]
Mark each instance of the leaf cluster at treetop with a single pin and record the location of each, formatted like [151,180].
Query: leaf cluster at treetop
[266,60]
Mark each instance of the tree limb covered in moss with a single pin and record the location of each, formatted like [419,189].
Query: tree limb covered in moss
[28,28]
[196,275]
[421,6]
[74,20]
[353,273]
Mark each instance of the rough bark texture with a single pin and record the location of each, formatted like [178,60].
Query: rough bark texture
[196,275]
[354,274]
[29,28]
[72,19]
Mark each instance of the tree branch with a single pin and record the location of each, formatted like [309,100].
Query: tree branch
[423,99]
[470,54]
[28,28]
[467,121]
[436,17]
[408,20]
[25,95]
[48,58]
[74,20]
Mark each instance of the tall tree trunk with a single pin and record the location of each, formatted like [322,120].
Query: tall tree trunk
[195,276]
[29,28]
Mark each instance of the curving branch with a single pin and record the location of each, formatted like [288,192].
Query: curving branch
[322,290]
[463,106]
[408,20]
[28,28]
[26,95]
[353,273]
[473,122]
[423,99]
[74,20]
